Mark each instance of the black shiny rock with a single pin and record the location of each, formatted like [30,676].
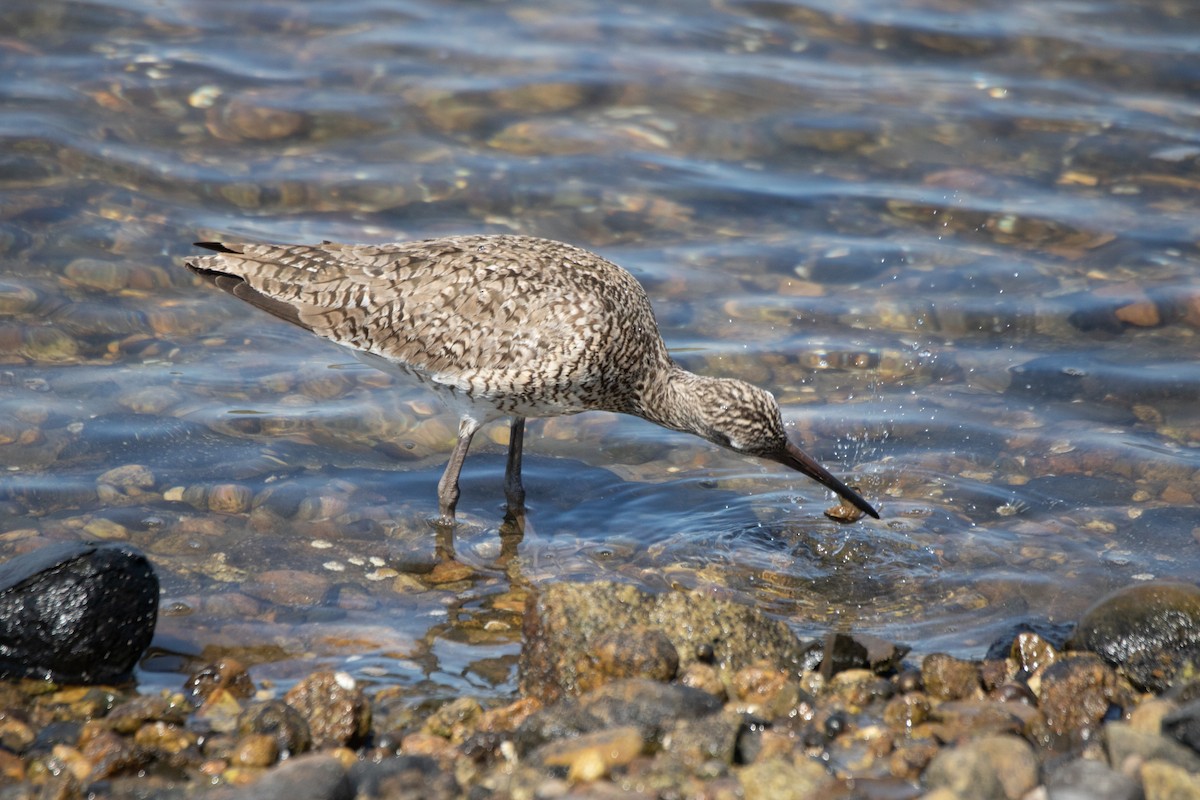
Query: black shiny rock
[76,613]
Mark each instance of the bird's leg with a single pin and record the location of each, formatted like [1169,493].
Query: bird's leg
[514,492]
[448,485]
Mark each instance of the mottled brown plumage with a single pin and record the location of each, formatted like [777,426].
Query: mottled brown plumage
[505,326]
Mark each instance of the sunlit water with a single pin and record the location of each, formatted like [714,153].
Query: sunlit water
[957,240]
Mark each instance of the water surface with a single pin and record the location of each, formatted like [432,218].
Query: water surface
[957,240]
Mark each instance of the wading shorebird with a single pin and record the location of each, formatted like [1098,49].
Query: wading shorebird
[506,326]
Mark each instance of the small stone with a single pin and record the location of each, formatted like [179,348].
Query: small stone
[278,719]
[337,711]
[164,738]
[129,479]
[1164,781]
[703,677]
[1148,716]
[906,711]
[948,678]
[1032,652]
[228,674]
[256,750]
[591,756]
[230,498]
[989,768]
[1076,693]
[782,778]
[1124,743]
[455,719]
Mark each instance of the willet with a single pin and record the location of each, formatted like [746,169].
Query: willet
[506,326]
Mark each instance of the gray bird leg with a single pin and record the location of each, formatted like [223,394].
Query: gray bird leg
[448,485]
[513,490]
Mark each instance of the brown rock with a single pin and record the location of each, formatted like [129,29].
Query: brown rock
[455,720]
[592,755]
[949,678]
[230,498]
[256,750]
[1075,693]
[335,708]
[280,720]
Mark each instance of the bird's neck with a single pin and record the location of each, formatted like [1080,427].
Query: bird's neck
[675,400]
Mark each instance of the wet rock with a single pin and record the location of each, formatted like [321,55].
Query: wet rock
[948,678]
[76,613]
[228,674]
[49,344]
[129,716]
[1085,779]
[256,116]
[1075,694]
[335,708]
[907,710]
[1149,631]
[1055,635]
[109,753]
[230,498]
[125,484]
[256,750]
[842,652]
[1183,725]
[990,768]
[278,719]
[311,777]
[1032,652]
[455,720]
[1124,743]
[564,621]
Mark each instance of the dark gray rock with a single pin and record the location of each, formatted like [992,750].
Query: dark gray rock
[76,613]
[1148,631]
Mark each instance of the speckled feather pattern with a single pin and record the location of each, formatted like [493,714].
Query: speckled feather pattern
[530,326]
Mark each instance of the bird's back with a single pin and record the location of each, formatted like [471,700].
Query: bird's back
[533,326]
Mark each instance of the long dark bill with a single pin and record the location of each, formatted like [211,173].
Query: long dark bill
[801,461]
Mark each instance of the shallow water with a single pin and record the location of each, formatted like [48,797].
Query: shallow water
[957,240]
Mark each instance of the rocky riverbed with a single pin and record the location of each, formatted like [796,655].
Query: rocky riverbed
[678,694]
